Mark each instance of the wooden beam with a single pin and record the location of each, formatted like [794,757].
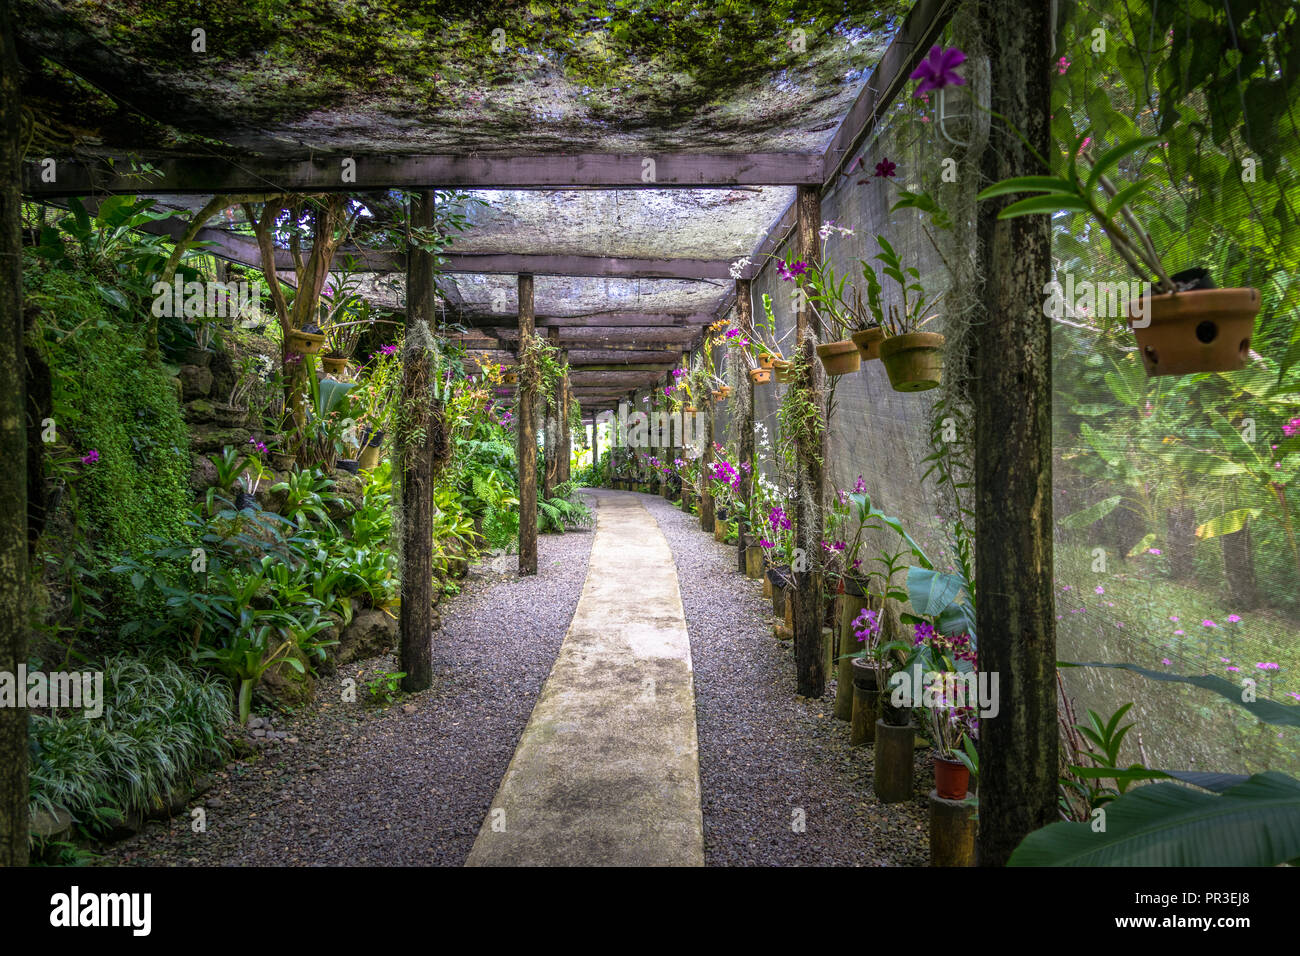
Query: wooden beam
[325,174]
[593,358]
[416,616]
[924,22]
[526,435]
[637,336]
[810,662]
[603,319]
[564,265]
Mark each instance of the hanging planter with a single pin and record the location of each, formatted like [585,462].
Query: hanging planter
[868,342]
[951,778]
[510,378]
[724,392]
[1203,329]
[913,360]
[335,364]
[782,371]
[840,358]
[760,376]
[306,343]
[767,359]
[368,458]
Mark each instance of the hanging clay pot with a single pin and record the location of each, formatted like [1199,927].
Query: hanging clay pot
[306,343]
[760,376]
[724,392]
[914,360]
[1201,330]
[782,370]
[766,359]
[840,358]
[868,342]
[334,366]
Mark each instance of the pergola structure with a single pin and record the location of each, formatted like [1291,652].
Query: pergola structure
[631,163]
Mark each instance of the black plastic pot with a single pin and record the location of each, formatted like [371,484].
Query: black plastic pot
[350,465]
[855,586]
[1191,279]
[780,576]
[372,439]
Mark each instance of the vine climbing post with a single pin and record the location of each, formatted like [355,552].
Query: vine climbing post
[551,427]
[415,444]
[526,434]
[1015,616]
[810,663]
[707,511]
[744,322]
[13,440]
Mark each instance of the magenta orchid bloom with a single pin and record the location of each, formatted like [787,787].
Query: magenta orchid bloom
[938,70]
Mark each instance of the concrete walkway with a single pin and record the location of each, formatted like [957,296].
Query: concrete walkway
[607,770]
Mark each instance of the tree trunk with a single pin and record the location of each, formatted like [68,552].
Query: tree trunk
[1239,568]
[1013,474]
[810,663]
[1181,542]
[416,621]
[526,435]
[13,448]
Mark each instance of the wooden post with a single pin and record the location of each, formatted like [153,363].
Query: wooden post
[1013,474]
[551,429]
[13,441]
[526,447]
[745,322]
[595,443]
[416,620]
[809,663]
[706,460]
[566,434]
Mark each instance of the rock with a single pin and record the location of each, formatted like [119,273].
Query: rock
[51,826]
[255,722]
[351,492]
[213,438]
[290,740]
[223,375]
[259,732]
[201,411]
[203,473]
[408,709]
[215,803]
[203,783]
[286,684]
[196,382]
[371,633]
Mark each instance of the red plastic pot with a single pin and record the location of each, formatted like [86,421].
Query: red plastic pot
[951,778]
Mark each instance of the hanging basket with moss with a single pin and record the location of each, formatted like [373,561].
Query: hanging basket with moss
[840,358]
[1202,329]
[305,343]
[913,360]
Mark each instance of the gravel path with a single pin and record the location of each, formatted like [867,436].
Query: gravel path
[409,784]
[765,752]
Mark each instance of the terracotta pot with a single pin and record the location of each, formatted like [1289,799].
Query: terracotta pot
[1204,330]
[782,370]
[306,343]
[914,361]
[951,778]
[725,391]
[715,395]
[689,409]
[510,378]
[334,366]
[868,342]
[766,360]
[760,376]
[840,358]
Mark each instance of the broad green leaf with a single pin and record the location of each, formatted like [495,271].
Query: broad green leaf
[1255,823]
[1269,711]
[1029,184]
[1091,514]
[931,592]
[1227,523]
[1111,157]
[1051,204]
